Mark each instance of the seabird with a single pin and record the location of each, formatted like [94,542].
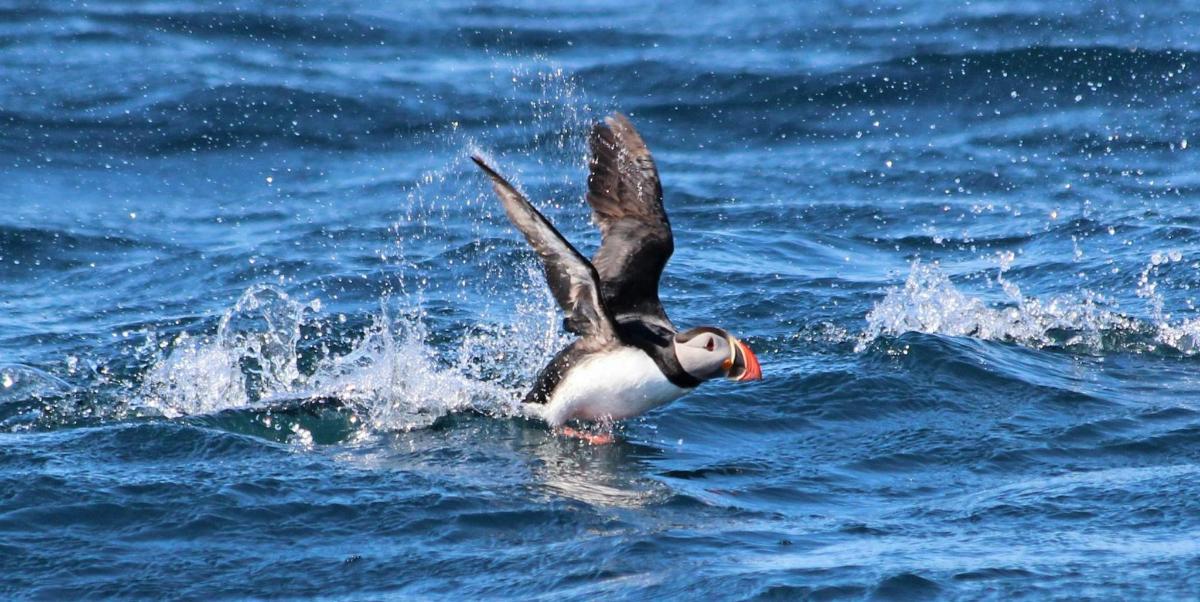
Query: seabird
[628,358]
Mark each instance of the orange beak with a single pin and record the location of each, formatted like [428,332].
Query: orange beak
[745,365]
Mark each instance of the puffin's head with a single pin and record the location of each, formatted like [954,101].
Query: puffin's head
[706,352]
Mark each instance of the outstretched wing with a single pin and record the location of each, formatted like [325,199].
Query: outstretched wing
[626,200]
[572,279]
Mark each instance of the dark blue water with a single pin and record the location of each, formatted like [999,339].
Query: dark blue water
[263,327]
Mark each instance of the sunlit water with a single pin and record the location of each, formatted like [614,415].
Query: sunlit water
[263,329]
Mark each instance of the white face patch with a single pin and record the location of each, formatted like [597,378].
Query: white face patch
[704,355]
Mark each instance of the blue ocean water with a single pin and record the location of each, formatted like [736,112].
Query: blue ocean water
[263,326]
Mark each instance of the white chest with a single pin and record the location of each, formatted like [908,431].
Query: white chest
[610,386]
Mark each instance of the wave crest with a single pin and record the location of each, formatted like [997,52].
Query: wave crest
[930,303]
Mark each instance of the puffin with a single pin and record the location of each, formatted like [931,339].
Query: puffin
[628,357]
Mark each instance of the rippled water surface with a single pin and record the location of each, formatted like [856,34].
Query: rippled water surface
[263,327]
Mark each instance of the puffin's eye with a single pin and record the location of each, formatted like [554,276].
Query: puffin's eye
[710,344]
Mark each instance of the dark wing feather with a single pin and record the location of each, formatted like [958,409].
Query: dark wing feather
[626,199]
[572,279]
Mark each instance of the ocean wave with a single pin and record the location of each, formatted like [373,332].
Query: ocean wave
[195,114]
[1059,72]
[262,27]
[266,115]
[222,117]
[968,85]
[39,251]
[929,302]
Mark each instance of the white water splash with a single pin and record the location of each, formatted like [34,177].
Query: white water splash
[1184,335]
[392,376]
[252,355]
[29,395]
[401,383]
[19,383]
[929,302]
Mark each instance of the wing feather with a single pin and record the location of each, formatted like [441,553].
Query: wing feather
[572,279]
[626,199]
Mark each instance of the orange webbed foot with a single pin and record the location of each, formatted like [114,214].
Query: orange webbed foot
[590,438]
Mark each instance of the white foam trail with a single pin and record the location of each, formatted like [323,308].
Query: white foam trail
[391,374]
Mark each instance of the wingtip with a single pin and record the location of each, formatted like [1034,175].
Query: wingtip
[616,118]
[622,133]
[483,164]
